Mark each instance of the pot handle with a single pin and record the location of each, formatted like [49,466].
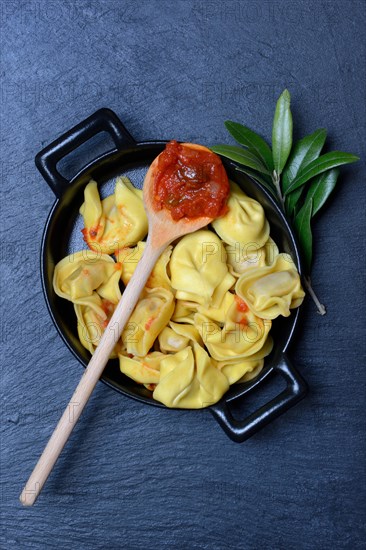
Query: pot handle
[103,120]
[240,430]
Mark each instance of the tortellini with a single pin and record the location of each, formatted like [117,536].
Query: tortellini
[177,336]
[218,314]
[272,290]
[236,371]
[171,341]
[115,222]
[242,335]
[184,311]
[91,324]
[79,275]
[245,221]
[242,257]
[151,314]
[91,281]
[144,370]
[203,320]
[198,267]
[190,380]
[129,257]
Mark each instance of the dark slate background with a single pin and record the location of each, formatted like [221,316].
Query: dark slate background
[134,476]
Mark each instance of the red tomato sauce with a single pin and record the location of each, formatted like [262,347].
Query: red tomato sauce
[108,308]
[190,183]
[91,236]
[149,323]
[240,304]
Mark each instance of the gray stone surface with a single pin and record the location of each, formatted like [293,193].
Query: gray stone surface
[139,477]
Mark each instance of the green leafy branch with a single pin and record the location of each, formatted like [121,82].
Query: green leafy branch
[298,176]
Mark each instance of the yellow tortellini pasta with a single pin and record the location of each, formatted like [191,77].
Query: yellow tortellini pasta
[245,221]
[144,370]
[115,222]
[272,290]
[151,314]
[203,320]
[239,334]
[91,322]
[235,371]
[227,283]
[198,267]
[129,257]
[184,311]
[79,275]
[242,257]
[180,333]
[190,380]
[91,281]
[236,339]
[218,314]
[171,341]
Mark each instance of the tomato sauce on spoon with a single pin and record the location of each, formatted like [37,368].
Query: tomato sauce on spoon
[191,182]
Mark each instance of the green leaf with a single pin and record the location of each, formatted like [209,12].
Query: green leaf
[266,183]
[303,230]
[304,151]
[282,132]
[292,201]
[252,141]
[320,165]
[297,209]
[240,155]
[320,189]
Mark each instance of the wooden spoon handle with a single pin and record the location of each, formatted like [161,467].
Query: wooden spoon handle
[91,375]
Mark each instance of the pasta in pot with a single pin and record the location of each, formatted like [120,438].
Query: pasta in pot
[151,314]
[235,339]
[273,290]
[91,323]
[129,257]
[235,371]
[242,333]
[187,331]
[203,320]
[144,370]
[218,314]
[198,266]
[115,222]
[78,275]
[91,281]
[171,341]
[190,380]
[177,336]
[245,218]
[184,311]
[242,257]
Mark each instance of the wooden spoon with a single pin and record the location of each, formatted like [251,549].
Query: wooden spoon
[162,231]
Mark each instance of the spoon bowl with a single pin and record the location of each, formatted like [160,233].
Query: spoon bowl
[162,228]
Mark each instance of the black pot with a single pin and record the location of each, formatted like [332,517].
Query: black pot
[62,236]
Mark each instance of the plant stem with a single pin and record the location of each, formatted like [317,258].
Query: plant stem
[320,307]
[276,182]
